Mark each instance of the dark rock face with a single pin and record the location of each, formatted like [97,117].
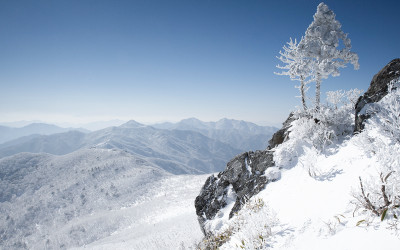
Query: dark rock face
[281,135]
[376,91]
[245,173]
[244,176]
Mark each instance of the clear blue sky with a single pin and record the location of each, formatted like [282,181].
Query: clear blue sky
[148,60]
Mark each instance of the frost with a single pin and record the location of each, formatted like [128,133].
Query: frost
[273,174]
[222,217]
[247,165]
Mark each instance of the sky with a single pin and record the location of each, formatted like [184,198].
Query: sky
[152,61]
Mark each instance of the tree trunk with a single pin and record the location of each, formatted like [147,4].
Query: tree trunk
[317,92]
[303,94]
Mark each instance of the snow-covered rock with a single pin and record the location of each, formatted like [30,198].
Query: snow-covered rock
[242,178]
[376,91]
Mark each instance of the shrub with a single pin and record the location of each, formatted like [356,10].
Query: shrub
[379,194]
[334,121]
[250,228]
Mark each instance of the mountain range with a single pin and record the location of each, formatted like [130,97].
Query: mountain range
[72,188]
[190,146]
[239,134]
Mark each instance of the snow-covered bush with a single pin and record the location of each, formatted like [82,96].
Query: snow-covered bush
[380,193]
[319,129]
[388,112]
[251,228]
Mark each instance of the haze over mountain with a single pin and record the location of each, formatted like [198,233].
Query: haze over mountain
[190,146]
[239,134]
[11,133]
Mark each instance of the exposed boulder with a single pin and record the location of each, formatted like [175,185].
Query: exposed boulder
[243,177]
[376,91]
[282,134]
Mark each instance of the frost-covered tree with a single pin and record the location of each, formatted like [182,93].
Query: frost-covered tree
[297,67]
[321,45]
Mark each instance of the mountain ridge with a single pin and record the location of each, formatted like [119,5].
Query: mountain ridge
[176,150]
[244,135]
[12,133]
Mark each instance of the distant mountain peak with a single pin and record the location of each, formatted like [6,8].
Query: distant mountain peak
[132,124]
[192,120]
[41,125]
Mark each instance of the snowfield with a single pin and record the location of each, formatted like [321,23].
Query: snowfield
[317,213]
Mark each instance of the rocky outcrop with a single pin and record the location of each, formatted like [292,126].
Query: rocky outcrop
[244,176]
[282,134]
[376,91]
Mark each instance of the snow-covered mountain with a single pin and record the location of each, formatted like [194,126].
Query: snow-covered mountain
[177,151]
[11,133]
[58,144]
[53,202]
[318,186]
[110,188]
[239,134]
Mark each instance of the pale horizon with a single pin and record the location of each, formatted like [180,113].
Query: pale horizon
[100,123]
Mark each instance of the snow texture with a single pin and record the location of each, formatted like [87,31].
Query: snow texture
[99,198]
[314,203]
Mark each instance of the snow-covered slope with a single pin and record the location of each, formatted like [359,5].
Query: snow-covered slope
[317,211]
[70,200]
[165,219]
[327,176]
[97,198]
[239,134]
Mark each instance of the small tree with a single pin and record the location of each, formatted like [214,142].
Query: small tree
[297,67]
[321,46]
